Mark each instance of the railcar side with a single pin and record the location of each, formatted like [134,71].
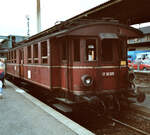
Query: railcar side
[86,62]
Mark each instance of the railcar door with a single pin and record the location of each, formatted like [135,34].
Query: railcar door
[21,62]
[65,64]
[111,57]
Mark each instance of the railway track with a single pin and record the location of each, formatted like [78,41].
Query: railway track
[130,127]
[92,123]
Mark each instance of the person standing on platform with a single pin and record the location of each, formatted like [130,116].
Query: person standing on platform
[2,75]
[1,89]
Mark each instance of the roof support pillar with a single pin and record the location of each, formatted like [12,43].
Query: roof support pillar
[38,16]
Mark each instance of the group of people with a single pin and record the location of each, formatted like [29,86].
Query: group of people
[2,76]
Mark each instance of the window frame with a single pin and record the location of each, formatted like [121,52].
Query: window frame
[35,49]
[118,49]
[43,57]
[14,56]
[76,61]
[85,50]
[62,51]
[29,59]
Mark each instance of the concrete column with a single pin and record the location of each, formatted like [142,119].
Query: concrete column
[38,16]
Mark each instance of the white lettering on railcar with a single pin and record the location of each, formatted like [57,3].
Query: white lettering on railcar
[108,74]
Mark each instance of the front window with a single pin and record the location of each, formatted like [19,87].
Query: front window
[91,49]
[76,43]
[109,51]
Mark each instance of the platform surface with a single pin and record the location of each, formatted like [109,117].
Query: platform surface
[22,114]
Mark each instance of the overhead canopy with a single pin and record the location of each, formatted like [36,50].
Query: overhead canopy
[127,11]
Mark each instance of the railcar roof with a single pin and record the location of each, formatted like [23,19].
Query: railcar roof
[126,11]
[64,28]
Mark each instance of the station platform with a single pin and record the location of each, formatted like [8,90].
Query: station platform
[22,114]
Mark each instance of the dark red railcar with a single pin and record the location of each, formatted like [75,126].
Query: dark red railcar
[86,60]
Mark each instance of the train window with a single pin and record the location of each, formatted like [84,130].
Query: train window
[91,49]
[14,53]
[64,50]
[76,43]
[107,50]
[29,54]
[8,58]
[44,52]
[11,56]
[35,53]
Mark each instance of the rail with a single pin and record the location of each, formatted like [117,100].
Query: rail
[130,127]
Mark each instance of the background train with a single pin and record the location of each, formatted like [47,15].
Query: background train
[83,62]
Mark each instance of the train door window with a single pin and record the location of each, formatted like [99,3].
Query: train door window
[29,54]
[91,50]
[107,50]
[64,50]
[76,43]
[44,52]
[35,53]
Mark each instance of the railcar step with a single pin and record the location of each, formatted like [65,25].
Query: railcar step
[66,101]
[62,108]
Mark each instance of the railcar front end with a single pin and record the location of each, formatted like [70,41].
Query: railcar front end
[96,66]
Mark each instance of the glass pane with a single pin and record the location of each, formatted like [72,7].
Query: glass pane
[76,43]
[44,48]
[91,49]
[107,50]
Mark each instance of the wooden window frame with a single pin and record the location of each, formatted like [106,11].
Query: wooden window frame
[29,57]
[96,49]
[35,51]
[44,58]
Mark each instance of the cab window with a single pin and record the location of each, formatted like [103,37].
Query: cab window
[91,49]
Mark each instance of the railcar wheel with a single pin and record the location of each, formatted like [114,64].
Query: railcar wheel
[101,108]
[117,106]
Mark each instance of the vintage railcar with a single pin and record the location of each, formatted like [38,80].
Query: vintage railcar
[84,61]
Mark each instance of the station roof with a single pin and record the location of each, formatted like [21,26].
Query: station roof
[127,11]
[145,30]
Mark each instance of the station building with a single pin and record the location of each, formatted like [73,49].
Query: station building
[9,42]
[142,43]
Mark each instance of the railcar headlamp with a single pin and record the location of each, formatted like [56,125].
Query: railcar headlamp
[122,63]
[87,80]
